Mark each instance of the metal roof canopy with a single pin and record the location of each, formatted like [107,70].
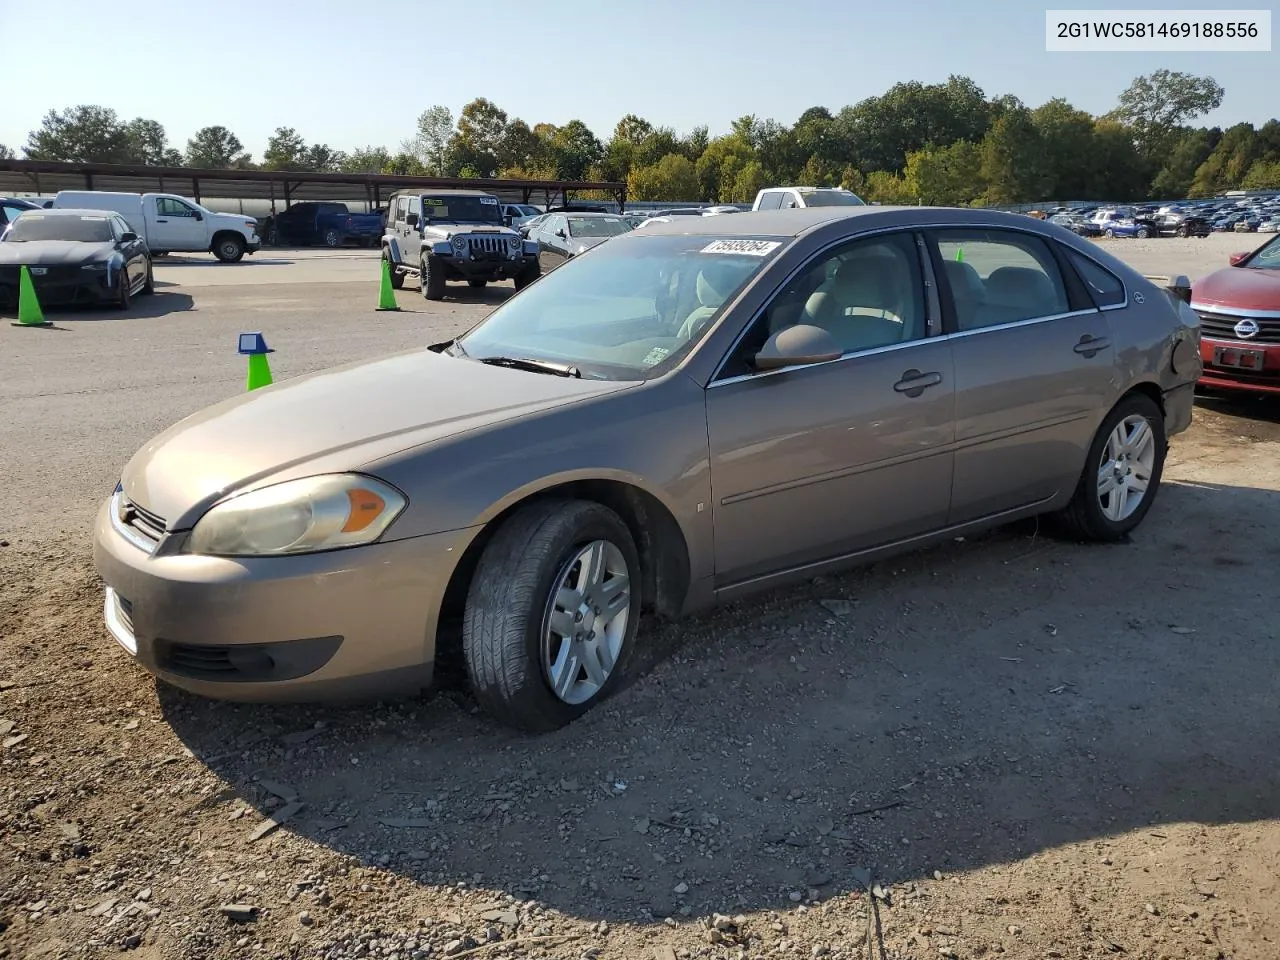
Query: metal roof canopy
[286,186]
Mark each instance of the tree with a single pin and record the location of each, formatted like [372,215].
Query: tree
[572,149]
[149,144]
[888,188]
[482,127]
[1013,163]
[1157,104]
[748,181]
[1118,172]
[945,176]
[435,128]
[1263,175]
[215,148]
[5,152]
[1066,137]
[322,158]
[1231,159]
[83,134]
[406,165]
[671,178]
[286,150]
[1178,172]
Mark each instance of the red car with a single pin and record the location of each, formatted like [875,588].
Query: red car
[1239,310]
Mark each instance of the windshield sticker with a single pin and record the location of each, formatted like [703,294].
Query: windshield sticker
[433,201]
[95,219]
[31,215]
[655,356]
[752,248]
[490,200]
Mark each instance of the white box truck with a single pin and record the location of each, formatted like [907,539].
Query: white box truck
[172,224]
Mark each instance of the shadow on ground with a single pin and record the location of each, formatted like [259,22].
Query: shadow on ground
[970,705]
[158,304]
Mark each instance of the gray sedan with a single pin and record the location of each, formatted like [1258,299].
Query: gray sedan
[675,418]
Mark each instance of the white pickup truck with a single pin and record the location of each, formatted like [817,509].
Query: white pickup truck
[172,224]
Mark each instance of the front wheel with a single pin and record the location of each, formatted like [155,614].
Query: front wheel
[1143,233]
[527,277]
[551,614]
[150,285]
[432,275]
[1121,474]
[123,295]
[397,278]
[1109,233]
[332,238]
[229,249]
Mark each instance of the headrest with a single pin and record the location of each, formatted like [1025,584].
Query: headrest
[1020,285]
[964,280]
[715,283]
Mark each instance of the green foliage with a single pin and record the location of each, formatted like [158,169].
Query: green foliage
[941,143]
[216,148]
[671,178]
[5,152]
[1263,175]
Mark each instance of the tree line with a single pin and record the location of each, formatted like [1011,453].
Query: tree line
[940,144]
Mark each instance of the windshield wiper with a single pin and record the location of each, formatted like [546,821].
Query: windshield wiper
[535,366]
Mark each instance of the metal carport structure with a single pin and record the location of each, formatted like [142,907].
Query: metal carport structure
[285,186]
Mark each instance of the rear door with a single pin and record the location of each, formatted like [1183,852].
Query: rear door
[1034,368]
[553,249]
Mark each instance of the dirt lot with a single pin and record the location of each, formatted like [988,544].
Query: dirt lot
[1034,749]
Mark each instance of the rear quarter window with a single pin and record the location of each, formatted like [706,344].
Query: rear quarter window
[1106,289]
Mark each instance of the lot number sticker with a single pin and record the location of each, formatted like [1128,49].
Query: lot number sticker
[752,248]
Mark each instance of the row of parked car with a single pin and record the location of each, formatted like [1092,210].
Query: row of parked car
[1189,218]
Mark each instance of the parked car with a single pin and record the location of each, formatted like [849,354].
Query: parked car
[74,256]
[682,416]
[718,210]
[1118,222]
[785,198]
[308,224]
[1182,224]
[563,236]
[444,235]
[519,214]
[172,224]
[1239,308]
[531,224]
[10,207]
[1076,224]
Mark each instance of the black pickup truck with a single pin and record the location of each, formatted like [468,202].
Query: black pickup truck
[309,224]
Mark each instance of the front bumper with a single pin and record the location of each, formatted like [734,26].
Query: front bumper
[348,624]
[495,268]
[60,286]
[1218,376]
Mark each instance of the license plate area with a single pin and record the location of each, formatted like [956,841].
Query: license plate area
[1238,359]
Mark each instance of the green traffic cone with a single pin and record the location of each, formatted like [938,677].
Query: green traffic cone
[29,312]
[386,295]
[259,372]
[959,254]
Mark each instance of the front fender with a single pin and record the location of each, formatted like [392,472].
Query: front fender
[392,244]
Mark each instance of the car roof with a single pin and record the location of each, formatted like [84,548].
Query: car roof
[73,212]
[793,223]
[443,193]
[589,213]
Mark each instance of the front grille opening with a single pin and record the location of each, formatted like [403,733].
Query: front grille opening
[1221,326]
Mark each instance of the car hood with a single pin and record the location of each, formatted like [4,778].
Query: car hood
[583,244]
[444,231]
[1239,287]
[332,421]
[53,252]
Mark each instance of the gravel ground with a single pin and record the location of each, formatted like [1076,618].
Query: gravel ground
[1004,746]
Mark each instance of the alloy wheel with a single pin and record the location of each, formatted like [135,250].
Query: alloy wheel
[1124,473]
[586,622]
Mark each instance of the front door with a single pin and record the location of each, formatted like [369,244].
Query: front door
[177,226]
[1034,370]
[817,462]
[411,231]
[553,243]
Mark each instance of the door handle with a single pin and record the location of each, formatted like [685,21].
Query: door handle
[1089,345]
[913,382]
[162,221]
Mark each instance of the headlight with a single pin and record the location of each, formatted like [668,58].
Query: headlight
[99,266]
[459,243]
[300,516]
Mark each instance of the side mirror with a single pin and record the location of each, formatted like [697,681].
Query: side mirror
[562,234]
[128,237]
[199,215]
[1237,258]
[411,219]
[800,345]
[506,221]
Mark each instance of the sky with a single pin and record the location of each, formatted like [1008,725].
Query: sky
[351,75]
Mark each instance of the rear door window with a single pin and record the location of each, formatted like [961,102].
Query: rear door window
[1106,289]
[1000,276]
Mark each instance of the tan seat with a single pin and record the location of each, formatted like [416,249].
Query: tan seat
[714,284]
[860,307]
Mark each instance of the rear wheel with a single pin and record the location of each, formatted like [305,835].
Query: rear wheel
[551,614]
[332,238]
[1121,474]
[150,285]
[397,278]
[1109,233]
[1143,233]
[432,278]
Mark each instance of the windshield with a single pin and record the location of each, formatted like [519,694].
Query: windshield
[1267,258]
[832,198]
[627,310]
[462,209]
[597,226]
[38,226]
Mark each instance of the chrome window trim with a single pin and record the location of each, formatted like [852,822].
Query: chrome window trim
[1221,311]
[133,536]
[1102,266]
[914,228]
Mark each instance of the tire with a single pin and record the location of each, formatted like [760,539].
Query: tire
[1084,517]
[332,238]
[477,284]
[527,277]
[510,647]
[123,295]
[229,248]
[397,278]
[1143,233]
[432,278]
[150,285]
[1109,233]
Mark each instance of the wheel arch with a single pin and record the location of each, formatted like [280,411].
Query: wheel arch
[659,539]
[224,233]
